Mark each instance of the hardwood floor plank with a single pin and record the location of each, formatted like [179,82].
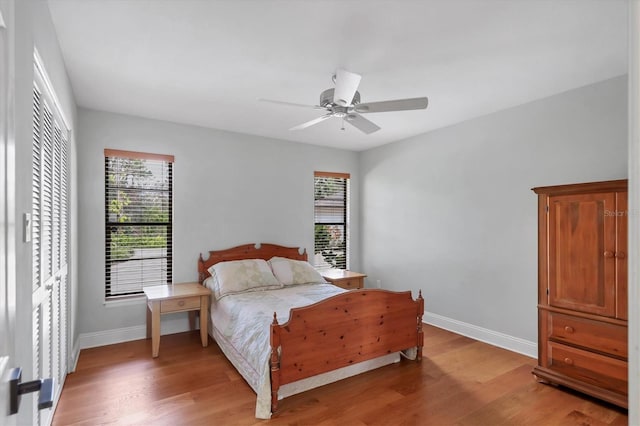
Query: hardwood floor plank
[459,382]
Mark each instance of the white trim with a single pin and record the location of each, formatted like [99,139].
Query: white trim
[169,325]
[130,301]
[634,207]
[495,338]
[75,355]
[39,69]
[110,337]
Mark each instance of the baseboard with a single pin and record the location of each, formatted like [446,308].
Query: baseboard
[169,325]
[75,354]
[495,338]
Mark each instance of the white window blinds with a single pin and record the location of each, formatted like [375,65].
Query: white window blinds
[331,213]
[138,218]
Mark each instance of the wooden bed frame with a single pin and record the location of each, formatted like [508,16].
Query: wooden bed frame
[345,329]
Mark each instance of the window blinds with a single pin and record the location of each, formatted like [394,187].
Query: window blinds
[138,218]
[331,203]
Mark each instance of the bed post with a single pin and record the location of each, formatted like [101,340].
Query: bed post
[201,268]
[419,325]
[275,363]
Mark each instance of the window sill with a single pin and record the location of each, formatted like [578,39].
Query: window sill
[128,301]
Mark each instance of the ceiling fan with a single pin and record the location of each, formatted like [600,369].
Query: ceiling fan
[344,102]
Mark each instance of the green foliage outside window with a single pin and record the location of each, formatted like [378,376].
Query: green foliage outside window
[132,179]
[331,244]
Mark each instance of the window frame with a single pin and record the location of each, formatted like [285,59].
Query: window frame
[169,161]
[345,219]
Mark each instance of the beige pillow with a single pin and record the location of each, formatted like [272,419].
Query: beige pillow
[239,276]
[291,272]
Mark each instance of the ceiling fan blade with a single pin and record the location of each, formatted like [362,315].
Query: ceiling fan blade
[395,105]
[346,86]
[361,123]
[290,104]
[311,123]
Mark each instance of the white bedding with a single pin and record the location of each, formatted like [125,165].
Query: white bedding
[240,326]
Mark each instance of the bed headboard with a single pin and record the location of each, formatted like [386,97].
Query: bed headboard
[247,251]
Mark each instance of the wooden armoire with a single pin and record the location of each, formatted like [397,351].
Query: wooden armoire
[582,288]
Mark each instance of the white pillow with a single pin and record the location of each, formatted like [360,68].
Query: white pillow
[210,283]
[291,272]
[239,276]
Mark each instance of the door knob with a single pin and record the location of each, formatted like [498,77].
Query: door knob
[16,389]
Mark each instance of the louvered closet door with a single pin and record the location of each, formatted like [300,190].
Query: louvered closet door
[50,244]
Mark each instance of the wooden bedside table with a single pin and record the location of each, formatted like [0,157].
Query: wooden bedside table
[345,279]
[184,297]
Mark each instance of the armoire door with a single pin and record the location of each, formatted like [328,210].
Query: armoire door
[622,214]
[582,247]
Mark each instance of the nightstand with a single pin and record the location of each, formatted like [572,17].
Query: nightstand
[184,297]
[345,279]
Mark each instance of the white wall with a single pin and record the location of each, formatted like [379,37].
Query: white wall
[229,189]
[452,213]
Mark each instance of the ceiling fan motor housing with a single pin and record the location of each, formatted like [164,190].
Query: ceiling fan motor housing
[326,98]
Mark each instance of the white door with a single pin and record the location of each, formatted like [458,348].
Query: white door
[7,219]
[48,233]
[49,218]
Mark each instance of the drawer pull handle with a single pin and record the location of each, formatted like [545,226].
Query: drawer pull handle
[568,361]
[608,254]
[181,303]
[620,255]
[569,329]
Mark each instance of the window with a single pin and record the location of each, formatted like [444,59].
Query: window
[138,220]
[331,213]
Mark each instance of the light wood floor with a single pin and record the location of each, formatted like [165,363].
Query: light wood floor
[459,382]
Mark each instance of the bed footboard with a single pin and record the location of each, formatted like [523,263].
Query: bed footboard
[345,329]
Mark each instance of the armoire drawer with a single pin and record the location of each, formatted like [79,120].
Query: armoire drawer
[588,367]
[596,335]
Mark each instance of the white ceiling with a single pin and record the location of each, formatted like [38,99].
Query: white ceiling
[207,62]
